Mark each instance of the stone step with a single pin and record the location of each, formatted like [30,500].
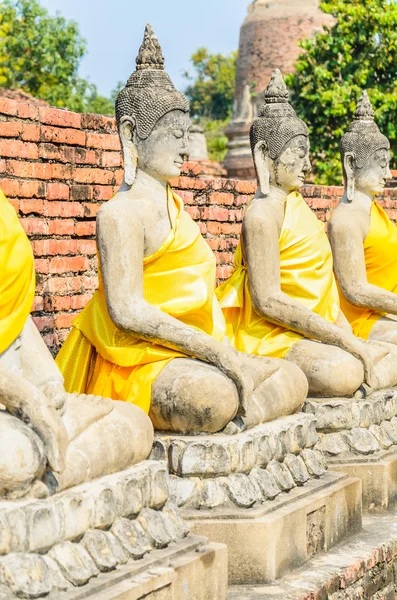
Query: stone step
[364,566]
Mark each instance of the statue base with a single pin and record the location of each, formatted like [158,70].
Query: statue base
[118,530]
[359,437]
[252,489]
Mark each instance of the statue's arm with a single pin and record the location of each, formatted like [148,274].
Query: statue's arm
[261,249]
[347,241]
[120,238]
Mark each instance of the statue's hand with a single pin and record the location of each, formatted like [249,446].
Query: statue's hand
[231,366]
[362,352]
[56,396]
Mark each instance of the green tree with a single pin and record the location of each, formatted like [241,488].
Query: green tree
[358,52]
[41,55]
[211,91]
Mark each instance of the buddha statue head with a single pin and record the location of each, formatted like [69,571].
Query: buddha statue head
[279,141]
[365,153]
[152,117]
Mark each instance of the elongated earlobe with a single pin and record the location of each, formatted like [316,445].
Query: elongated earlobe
[261,160]
[349,162]
[130,153]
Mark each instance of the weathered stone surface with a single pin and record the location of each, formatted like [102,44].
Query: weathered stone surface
[266,482]
[181,528]
[58,581]
[314,462]
[153,524]
[281,475]
[159,489]
[334,415]
[74,562]
[380,434]
[390,429]
[243,490]
[296,466]
[185,492]
[362,441]
[213,493]
[45,524]
[109,501]
[26,575]
[132,537]
[104,549]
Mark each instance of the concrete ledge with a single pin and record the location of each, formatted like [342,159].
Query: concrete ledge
[378,474]
[192,568]
[268,541]
[365,566]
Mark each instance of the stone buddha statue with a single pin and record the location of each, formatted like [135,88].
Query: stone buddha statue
[363,238]
[45,433]
[282,299]
[153,333]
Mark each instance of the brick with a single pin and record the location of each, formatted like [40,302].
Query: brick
[44,323]
[61,227]
[73,137]
[103,141]
[90,210]
[103,192]
[10,128]
[111,159]
[38,303]
[187,197]
[16,148]
[59,117]
[42,265]
[188,183]
[86,247]
[26,189]
[85,229]
[87,157]
[81,192]
[27,206]
[59,153]
[30,132]
[65,320]
[57,191]
[98,122]
[245,187]
[27,110]
[69,264]
[8,107]
[80,301]
[51,247]
[222,198]
[38,170]
[34,226]
[214,213]
[85,175]
[64,209]
[2,165]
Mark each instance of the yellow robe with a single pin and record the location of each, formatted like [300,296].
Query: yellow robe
[178,279]
[17,275]
[380,250]
[306,270]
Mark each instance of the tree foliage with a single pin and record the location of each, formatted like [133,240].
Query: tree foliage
[358,52]
[41,54]
[211,91]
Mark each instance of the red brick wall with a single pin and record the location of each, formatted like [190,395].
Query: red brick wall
[58,167]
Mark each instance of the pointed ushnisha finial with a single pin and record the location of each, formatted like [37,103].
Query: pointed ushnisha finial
[150,55]
[276,90]
[364,110]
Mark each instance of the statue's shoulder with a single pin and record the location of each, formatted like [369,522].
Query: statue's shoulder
[264,213]
[120,208]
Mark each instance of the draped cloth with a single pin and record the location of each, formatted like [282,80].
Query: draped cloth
[306,272]
[179,279]
[17,275]
[380,251]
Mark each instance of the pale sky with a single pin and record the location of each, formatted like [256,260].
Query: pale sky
[114,31]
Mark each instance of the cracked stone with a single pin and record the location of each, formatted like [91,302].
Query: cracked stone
[26,575]
[297,468]
[362,441]
[314,462]
[132,537]
[104,549]
[282,476]
[243,492]
[333,444]
[213,493]
[154,527]
[266,483]
[75,563]
[58,581]
[381,436]
[390,430]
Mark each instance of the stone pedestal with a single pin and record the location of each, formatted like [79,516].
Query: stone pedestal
[359,437]
[265,493]
[118,536]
